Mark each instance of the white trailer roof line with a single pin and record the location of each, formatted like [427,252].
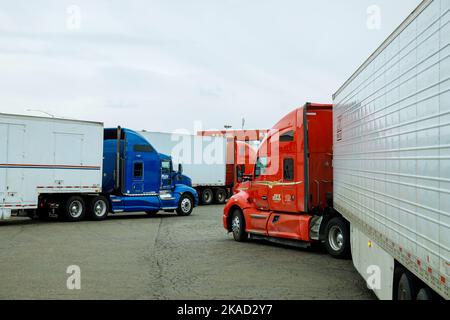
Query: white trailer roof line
[403,25]
[48,118]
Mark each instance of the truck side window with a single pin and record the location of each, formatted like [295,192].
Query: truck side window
[138,170]
[288,169]
[240,169]
[261,165]
[287,137]
[143,148]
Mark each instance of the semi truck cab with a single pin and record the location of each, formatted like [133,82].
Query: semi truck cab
[138,178]
[289,197]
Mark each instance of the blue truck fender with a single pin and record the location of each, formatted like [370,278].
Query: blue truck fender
[181,189]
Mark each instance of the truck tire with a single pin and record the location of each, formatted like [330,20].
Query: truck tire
[98,208]
[207,197]
[152,213]
[425,294]
[220,196]
[337,239]
[238,226]
[72,209]
[185,205]
[406,287]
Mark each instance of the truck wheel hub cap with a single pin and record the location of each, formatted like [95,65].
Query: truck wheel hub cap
[185,205]
[235,226]
[99,208]
[75,209]
[336,238]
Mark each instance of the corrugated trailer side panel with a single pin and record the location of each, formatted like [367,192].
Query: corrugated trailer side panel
[203,158]
[44,155]
[392,145]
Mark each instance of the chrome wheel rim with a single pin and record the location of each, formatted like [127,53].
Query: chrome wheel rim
[100,208]
[236,225]
[186,205]
[336,238]
[75,209]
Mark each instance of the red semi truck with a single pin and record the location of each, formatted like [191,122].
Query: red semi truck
[299,195]
[289,198]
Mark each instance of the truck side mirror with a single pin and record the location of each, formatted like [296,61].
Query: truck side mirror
[180,168]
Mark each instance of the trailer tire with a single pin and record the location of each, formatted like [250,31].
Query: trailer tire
[220,196]
[425,294]
[185,205]
[72,209]
[337,240]
[238,226]
[406,287]
[207,197]
[152,213]
[98,208]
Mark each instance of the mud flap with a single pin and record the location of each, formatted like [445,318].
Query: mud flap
[5,213]
[314,230]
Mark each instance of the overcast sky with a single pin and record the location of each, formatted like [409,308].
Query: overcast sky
[161,65]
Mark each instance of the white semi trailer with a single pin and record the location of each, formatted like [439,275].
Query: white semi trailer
[204,160]
[392,159]
[49,162]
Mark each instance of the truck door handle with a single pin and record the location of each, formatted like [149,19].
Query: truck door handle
[264,197]
[276,219]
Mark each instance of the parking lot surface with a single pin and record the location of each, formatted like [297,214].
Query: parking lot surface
[163,257]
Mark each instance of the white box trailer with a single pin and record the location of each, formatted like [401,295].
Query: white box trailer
[204,160]
[47,160]
[392,158]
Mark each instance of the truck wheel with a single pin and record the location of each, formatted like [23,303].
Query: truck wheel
[207,197]
[406,287]
[73,209]
[238,226]
[221,196]
[185,205]
[338,238]
[99,208]
[152,213]
[425,294]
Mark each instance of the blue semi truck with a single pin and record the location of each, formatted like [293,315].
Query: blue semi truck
[138,178]
[133,177]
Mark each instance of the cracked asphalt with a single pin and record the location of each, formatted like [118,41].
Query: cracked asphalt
[163,257]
